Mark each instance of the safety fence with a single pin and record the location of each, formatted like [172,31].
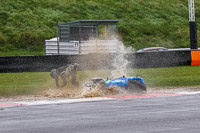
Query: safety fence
[99,61]
[52,47]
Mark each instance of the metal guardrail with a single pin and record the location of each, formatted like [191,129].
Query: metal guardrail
[67,48]
[86,47]
[99,46]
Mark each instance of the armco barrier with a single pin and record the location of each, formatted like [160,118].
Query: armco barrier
[94,61]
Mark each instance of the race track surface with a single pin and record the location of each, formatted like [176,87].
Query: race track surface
[171,114]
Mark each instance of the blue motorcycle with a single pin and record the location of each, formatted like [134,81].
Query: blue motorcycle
[131,84]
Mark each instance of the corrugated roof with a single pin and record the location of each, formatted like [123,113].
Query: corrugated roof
[91,22]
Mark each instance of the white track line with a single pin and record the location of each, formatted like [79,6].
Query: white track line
[189,93]
[47,102]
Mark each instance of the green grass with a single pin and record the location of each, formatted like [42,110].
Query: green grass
[171,77]
[22,83]
[34,83]
[27,24]
[20,52]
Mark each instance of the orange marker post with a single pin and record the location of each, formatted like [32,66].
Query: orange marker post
[195,55]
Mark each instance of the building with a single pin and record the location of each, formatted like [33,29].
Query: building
[83,37]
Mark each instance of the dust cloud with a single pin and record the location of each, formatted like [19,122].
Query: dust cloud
[119,63]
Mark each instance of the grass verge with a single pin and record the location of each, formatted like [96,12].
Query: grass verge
[21,52]
[13,84]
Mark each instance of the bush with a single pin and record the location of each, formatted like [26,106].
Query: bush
[4,16]
[32,40]
[7,47]
[3,39]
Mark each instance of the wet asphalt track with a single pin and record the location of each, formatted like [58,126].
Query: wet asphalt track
[176,114]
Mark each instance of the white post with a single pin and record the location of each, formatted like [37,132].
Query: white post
[191,10]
